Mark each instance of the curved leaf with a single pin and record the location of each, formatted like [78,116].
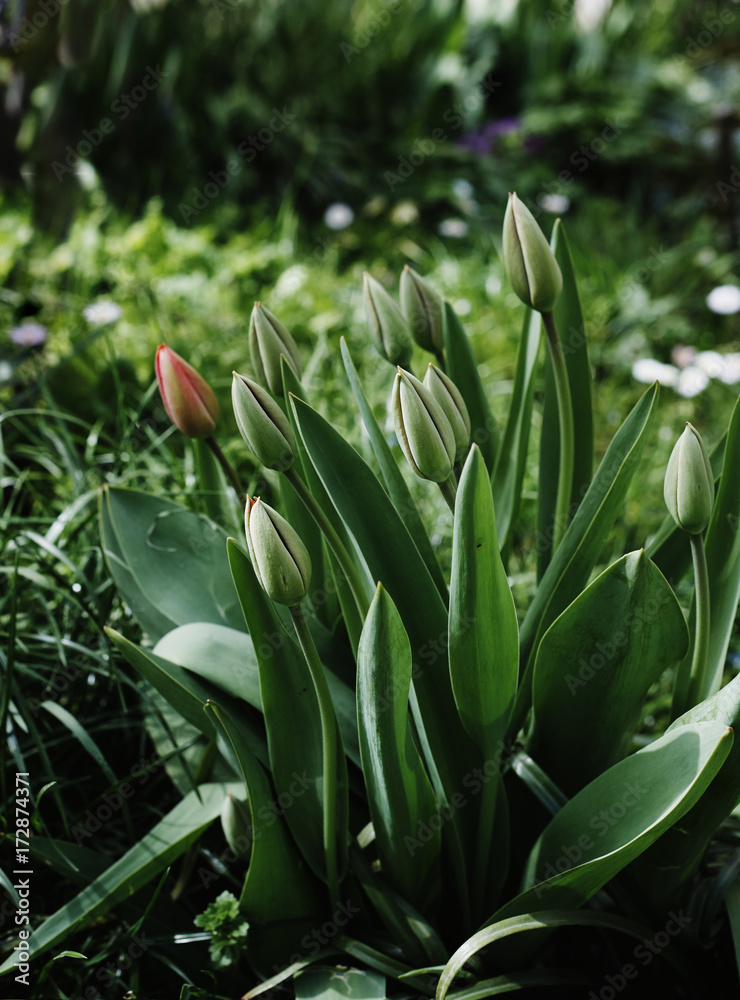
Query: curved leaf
[606,649]
[167,562]
[576,556]
[400,795]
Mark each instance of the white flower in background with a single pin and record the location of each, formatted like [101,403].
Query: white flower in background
[462,307]
[102,313]
[558,204]
[28,334]
[724,299]
[730,373]
[338,215]
[710,362]
[404,213]
[649,370]
[691,382]
[683,355]
[455,228]
[462,188]
[493,285]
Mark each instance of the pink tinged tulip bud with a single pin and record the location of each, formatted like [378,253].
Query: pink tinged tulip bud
[448,396]
[530,263]
[189,401]
[387,324]
[422,428]
[262,424]
[424,310]
[279,557]
[689,483]
[268,340]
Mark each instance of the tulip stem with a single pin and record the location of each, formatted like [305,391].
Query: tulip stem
[329,748]
[567,444]
[449,492]
[228,469]
[337,545]
[697,684]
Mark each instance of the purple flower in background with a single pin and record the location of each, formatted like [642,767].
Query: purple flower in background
[29,334]
[483,140]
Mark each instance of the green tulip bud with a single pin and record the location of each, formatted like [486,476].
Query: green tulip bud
[279,557]
[387,324]
[189,401]
[237,824]
[530,263]
[689,483]
[449,398]
[268,340]
[263,425]
[422,428]
[424,310]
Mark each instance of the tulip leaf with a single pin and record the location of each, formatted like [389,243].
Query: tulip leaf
[221,655]
[511,460]
[394,561]
[572,334]
[463,370]
[292,720]
[483,644]
[152,854]
[392,476]
[167,562]
[277,879]
[606,649]
[619,815]
[328,984]
[572,564]
[187,693]
[400,795]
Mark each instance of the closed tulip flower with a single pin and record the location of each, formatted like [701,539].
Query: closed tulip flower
[422,428]
[279,557]
[268,340]
[189,401]
[449,398]
[530,263]
[262,424]
[423,308]
[689,484]
[388,327]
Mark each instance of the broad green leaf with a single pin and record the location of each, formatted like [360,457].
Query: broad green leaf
[619,815]
[278,880]
[339,984]
[536,921]
[334,581]
[167,562]
[483,650]
[392,477]
[221,655]
[572,334]
[400,795]
[394,561]
[511,460]
[154,852]
[671,862]
[463,370]
[292,720]
[188,693]
[722,546]
[595,665]
[571,566]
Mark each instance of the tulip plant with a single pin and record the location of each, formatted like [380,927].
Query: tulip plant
[413,768]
